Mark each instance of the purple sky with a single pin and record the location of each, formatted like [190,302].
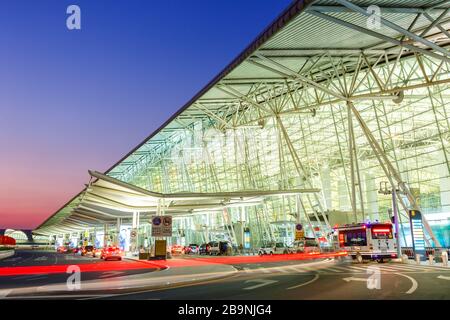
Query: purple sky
[77,100]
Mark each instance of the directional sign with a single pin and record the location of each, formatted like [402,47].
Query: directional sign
[162,226]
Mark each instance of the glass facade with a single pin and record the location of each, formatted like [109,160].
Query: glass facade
[293,147]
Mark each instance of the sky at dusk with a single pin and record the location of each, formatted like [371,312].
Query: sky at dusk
[76,100]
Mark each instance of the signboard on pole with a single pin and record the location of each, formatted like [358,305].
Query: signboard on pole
[299,232]
[418,239]
[162,226]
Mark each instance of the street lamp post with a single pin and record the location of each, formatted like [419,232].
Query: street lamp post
[385,190]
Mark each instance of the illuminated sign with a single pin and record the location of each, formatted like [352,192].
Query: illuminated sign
[162,226]
[299,232]
[247,238]
[418,239]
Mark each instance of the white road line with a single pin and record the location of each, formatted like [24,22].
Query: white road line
[437,268]
[343,269]
[414,282]
[247,270]
[264,270]
[334,269]
[38,278]
[4,293]
[310,269]
[282,269]
[316,276]
[398,268]
[412,268]
[262,283]
[358,268]
[297,269]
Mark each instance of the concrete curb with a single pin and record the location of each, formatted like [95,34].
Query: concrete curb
[7,254]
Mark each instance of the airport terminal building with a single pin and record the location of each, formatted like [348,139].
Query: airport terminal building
[333,107]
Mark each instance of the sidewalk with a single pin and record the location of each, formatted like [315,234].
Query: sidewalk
[423,263]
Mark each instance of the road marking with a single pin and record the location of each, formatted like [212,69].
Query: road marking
[262,283]
[4,293]
[282,269]
[357,268]
[247,270]
[43,258]
[341,268]
[414,282]
[297,269]
[38,278]
[307,268]
[405,267]
[444,277]
[439,268]
[12,259]
[264,270]
[354,279]
[393,269]
[316,276]
[110,274]
[334,269]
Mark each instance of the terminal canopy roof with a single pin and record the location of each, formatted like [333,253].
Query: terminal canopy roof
[293,53]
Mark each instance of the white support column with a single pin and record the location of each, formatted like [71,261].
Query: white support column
[343,198]
[326,187]
[372,197]
[444,184]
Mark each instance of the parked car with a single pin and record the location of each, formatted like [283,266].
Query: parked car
[176,249]
[274,248]
[88,251]
[191,249]
[224,247]
[308,245]
[63,249]
[98,252]
[204,249]
[109,253]
[214,248]
[76,250]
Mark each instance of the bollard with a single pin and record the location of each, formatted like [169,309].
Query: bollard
[430,259]
[418,258]
[444,258]
[404,258]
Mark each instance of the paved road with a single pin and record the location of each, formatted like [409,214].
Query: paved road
[327,280]
[324,279]
[32,259]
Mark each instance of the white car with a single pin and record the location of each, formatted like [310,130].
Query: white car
[274,248]
[306,246]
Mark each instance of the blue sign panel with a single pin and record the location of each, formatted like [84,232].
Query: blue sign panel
[418,238]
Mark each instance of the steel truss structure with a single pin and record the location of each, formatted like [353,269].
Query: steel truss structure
[339,95]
